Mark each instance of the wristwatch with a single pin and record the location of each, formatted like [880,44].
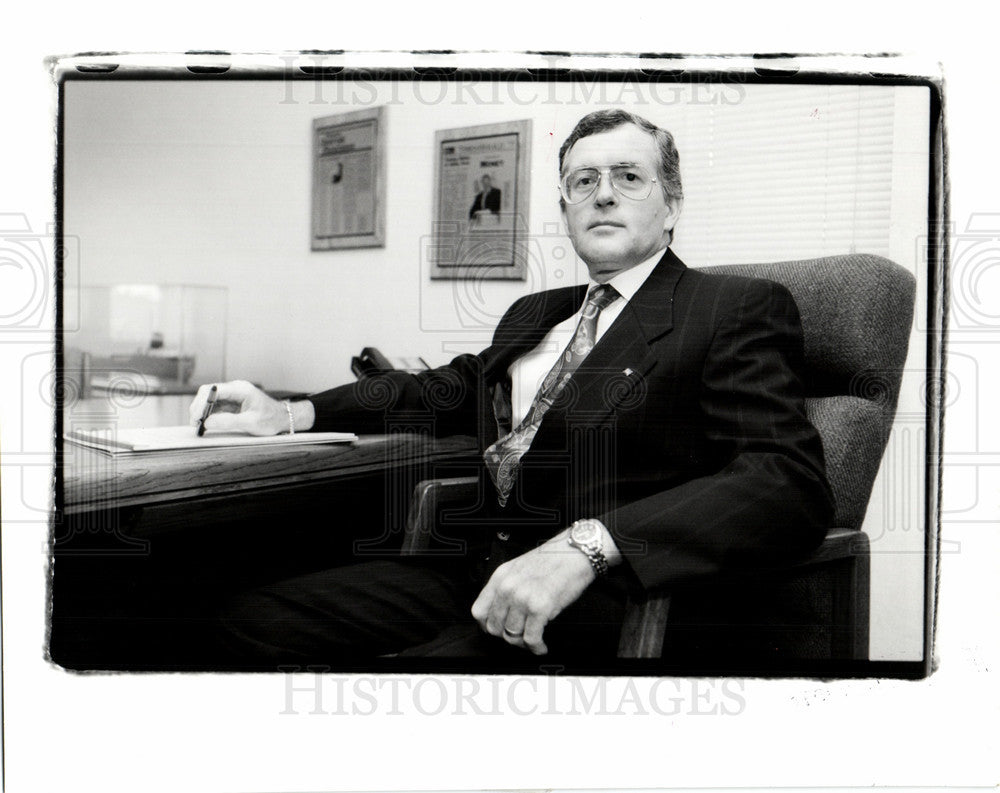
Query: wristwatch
[587,535]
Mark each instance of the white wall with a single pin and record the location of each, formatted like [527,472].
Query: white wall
[209,184]
[895,518]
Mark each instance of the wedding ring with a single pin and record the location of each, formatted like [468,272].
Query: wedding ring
[513,635]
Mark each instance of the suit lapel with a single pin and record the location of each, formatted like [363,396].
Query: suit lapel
[619,361]
[527,327]
[623,356]
[653,304]
[523,330]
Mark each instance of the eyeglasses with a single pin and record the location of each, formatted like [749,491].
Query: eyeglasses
[630,181]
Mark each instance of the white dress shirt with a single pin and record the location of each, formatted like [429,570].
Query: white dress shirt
[528,371]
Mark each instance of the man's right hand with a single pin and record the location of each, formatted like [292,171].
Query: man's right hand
[242,407]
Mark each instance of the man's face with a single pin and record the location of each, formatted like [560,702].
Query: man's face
[487,184]
[610,232]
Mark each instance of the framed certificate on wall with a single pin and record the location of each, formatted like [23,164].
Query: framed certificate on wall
[348,199]
[480,227]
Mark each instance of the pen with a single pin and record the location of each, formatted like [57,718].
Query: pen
[208,409]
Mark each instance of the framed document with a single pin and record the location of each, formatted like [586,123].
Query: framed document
[348,201]
[481,202]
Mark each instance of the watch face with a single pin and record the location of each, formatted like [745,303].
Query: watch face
[584,533]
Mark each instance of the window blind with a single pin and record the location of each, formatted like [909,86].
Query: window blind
[787,173]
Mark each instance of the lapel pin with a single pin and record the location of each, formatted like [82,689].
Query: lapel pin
[628,372]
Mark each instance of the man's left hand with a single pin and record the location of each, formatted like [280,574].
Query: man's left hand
[526,593]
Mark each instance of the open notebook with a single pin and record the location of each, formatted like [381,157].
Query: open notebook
[153,440]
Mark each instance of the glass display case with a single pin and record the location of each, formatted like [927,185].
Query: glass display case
[143,338]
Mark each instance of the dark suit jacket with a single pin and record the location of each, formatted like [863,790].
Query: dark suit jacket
[490,201]
[684,430]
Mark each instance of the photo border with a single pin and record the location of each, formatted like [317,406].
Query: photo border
[97,67]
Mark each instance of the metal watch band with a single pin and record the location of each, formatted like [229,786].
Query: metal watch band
[598,561]
[594,553]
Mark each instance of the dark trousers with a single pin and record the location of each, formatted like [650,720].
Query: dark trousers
[408,607]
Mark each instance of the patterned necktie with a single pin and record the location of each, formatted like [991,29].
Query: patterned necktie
[503,458]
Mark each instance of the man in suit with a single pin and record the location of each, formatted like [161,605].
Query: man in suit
[651,433]
[486,200]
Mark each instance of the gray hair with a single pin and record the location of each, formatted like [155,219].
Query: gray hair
[669,170]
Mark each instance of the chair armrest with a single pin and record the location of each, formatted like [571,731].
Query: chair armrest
[643,628]
[838,544]
[851,596]
[428,497]
[646,620]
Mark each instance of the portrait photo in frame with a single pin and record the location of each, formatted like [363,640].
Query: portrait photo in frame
[481,201]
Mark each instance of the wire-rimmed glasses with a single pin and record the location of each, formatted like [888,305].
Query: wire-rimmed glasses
[629,181]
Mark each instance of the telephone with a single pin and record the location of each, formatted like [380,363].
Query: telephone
[371,362]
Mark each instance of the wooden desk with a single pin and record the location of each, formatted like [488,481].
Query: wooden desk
[93,481]
[145,547]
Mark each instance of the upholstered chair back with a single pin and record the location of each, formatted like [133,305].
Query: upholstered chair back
[856,314]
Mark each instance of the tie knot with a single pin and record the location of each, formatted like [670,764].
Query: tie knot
[602,296]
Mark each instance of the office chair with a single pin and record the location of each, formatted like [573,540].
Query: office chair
[856,315]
